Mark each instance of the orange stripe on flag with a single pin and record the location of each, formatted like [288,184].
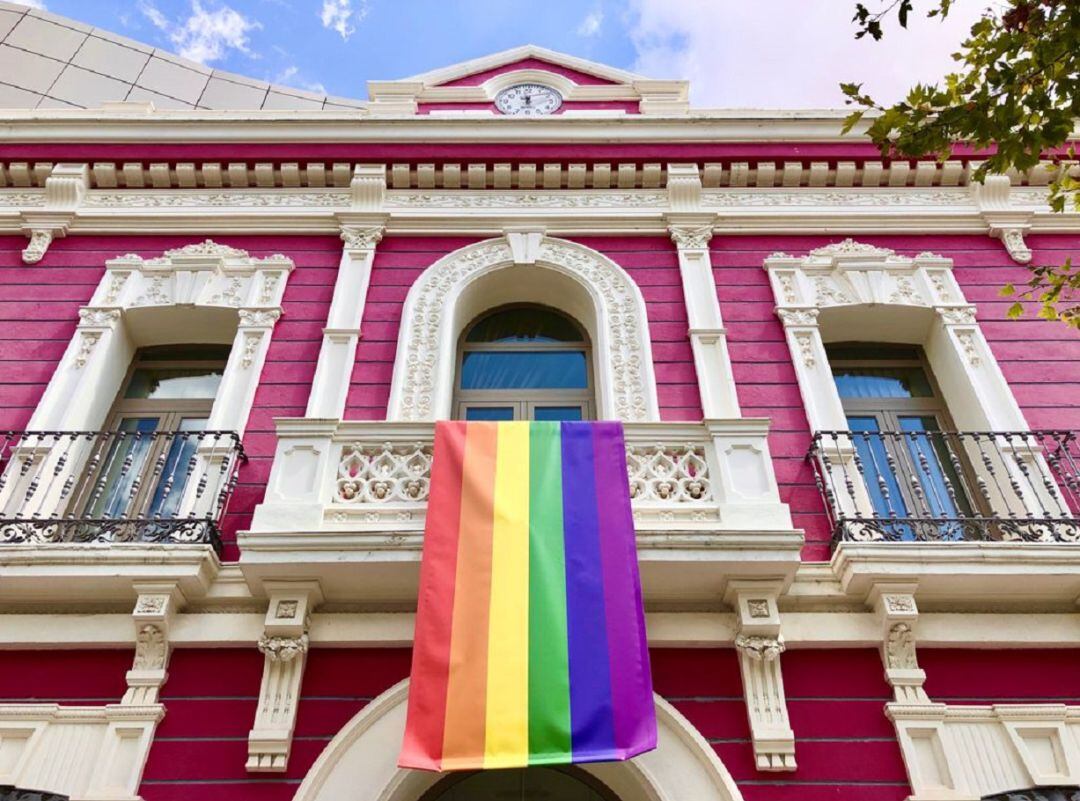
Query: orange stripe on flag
[467,691]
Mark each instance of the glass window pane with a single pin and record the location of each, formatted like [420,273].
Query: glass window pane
[557,413]
[556,369]
[526,324]
[882,382]
[179,466]
[111,492]
[179,384]
[932,465]
[881,483]
[489,413]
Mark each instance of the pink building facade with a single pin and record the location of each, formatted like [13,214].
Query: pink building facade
[226,335]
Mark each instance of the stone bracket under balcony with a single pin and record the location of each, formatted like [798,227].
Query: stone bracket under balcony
[346,502]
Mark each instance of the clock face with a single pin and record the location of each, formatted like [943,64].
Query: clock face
[528,100]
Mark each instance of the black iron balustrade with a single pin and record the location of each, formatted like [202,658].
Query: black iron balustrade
[123,486]
[1014,486]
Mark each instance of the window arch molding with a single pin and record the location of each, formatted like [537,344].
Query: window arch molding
[854,291]
[524,267]
[364,754]
[201,293]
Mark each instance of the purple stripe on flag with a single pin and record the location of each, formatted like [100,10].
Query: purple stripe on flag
[631,680]
[591,721]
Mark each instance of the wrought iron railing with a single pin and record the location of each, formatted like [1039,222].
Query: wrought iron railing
[949,485]
[116,486]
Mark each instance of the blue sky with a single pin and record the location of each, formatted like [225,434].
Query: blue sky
[737,53]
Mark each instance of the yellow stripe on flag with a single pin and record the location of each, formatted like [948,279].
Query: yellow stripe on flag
[507,709]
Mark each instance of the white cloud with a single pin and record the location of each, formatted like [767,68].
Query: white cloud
[290,76]
[33,4]
[341,16]
[787,53]
[205,35]
[590,26]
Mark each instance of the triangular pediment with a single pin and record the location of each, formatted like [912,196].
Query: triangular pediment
[584,86]
[525,57]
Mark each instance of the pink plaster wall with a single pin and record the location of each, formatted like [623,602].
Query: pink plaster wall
[651,262]
[1040,359]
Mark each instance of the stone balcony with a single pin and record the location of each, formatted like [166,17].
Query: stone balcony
[346,504]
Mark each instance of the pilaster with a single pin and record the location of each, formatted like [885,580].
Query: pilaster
[691,229]
[342,332]
[284,645]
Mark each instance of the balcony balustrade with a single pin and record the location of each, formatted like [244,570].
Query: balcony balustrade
[945,486]
[346,504]
[116,486]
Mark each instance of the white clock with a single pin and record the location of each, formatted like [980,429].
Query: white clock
[528,100]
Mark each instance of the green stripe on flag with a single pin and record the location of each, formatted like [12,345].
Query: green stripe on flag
[549,669]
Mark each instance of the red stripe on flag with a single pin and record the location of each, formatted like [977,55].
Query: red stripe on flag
[423,743]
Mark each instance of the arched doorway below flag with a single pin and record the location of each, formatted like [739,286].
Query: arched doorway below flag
[564,783]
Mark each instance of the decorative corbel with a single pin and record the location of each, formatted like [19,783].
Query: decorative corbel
[760,645]
[153,614]
[896,609]
[65,189]
[1006,222]
[284,645]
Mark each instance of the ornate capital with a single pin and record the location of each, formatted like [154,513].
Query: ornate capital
[362,238]
[98,318]
[259,318]
[761,649]
[798,317]
[957,315]
[283,649]
[691,237]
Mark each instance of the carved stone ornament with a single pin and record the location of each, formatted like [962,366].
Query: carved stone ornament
[259,318]
[797,317]
[40,239]
[150,648]
[968,346]
[957,315]
[423,338]
[361,238]
[804,341]
[849,247]
[900,648]
[899,604]
[207,247]
[286,610]
[691,238]
[252,340]
[87,341]
[1013,238]
[151,604]
[98,318]
[758,608]
[763,649]
[283,649]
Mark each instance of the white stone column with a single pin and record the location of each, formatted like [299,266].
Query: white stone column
[342,332]
[708,339]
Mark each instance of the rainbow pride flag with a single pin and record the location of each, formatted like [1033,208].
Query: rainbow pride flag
[530,636]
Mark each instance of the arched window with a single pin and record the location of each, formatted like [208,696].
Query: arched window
[524,363]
